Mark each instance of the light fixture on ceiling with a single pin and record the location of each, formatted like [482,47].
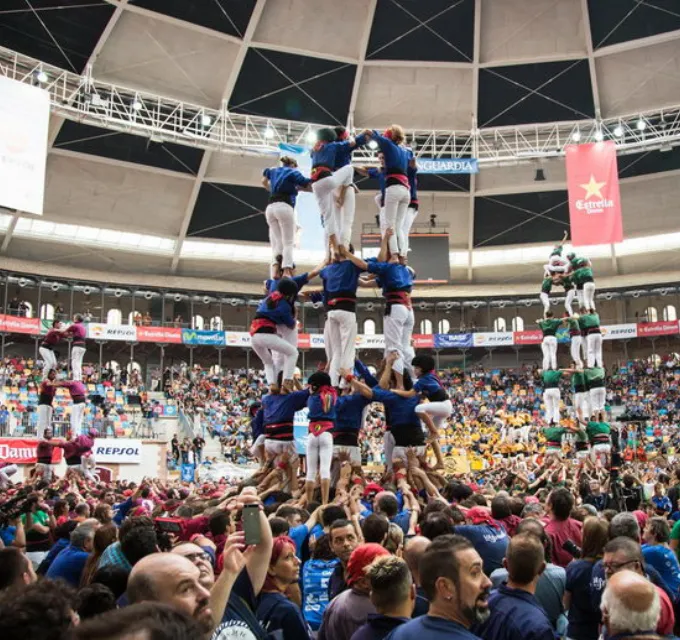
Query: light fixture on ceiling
[269,133]
[540,175]
[311,137]
[618,131]
[136,105]
[576,136]
[41,77]
[599,135]
[641,124]
[206,120]
[372,144]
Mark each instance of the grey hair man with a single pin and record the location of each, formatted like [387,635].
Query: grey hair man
[70,562]
[630,606]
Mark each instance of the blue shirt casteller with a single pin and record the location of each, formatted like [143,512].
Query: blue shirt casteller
[284,181]
[412,174]
[379,175]
[282,408]
[280,313]
[397,157]
[301,280]
[393,276]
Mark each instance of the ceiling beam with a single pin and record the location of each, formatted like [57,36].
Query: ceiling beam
[226,96]
[639,43]
[418,64]
[299,51]
[476,54]
[363,46]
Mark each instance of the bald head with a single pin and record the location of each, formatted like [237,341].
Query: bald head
[413,551]
[630,603]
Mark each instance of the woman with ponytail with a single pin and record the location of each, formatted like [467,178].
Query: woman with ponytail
[275,610]
[321,406]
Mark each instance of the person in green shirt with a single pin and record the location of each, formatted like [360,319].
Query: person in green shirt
[597,393]
[599,436]
[590,322]
[549,327]
[581,271]
[553,437]
[579,389]
[556,263]
[576,340]
[566,282]
[546,288]
[551,395]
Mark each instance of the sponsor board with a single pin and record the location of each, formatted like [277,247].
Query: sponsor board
[370,342]
[114,332]
[23,451]
[119,450]
[303,341]
[619,331]
[528,337]
[316,341]
[657,328]
[447,165]
[496,339]
[452,340]
[423,341]
[237,339]
[16,324]
[164,335]
[195,337]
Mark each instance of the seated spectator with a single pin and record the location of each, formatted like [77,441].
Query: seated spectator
[515,612]
[15,569]
[561,528]
[70,562]
[349,610]
[659,555]
[393,596]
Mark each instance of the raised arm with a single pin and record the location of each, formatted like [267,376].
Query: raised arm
[358,262]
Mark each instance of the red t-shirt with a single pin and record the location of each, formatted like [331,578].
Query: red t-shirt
[559,532]
[667,617]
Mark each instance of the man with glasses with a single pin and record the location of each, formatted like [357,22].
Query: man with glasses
[200,559]
[625,554]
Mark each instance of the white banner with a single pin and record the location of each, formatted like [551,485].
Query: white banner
[24,123]
[370,342]
[619,331]
[120,332]
[119,450]
[492,339]
[237,339]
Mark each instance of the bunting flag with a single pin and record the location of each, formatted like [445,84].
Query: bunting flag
[594,199]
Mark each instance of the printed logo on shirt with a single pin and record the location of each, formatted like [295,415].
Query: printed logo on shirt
[233,630]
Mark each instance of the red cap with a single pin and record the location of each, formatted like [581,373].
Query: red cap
[372,487]
[479,515]
[361,557]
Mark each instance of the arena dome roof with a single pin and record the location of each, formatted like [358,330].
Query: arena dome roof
[481,75]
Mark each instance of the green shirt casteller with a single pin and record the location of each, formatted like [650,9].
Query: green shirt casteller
[551,378]
[550,326]
[546,286]
[554,434]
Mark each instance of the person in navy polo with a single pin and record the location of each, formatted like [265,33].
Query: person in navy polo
[515,612]
[453,579]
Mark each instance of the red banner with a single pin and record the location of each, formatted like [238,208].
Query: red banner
[528,337]
[423,340]
[657,328]
[304,341]
[15,324]
[164,335]
[594,199]
[21,451]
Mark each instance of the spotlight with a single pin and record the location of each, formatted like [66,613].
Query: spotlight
[540,175]
[599,136]
[311,137]
[641,125]
[41,77]
[618,131]
[576,136]
[206,120]
[269,133]
[372,144]
[136,105]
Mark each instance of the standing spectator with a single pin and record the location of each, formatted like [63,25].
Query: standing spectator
[4,421]
[15,569]
[70,562]
[561,528]
[515,612]
[344,540]
[198,443]
[658,554]
[413,551]
[488,537]
[316,574]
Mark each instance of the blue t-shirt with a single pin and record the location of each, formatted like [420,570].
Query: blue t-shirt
[489,542]
[431,628]
[8,534]
[403,519]
[276,612]
[68,565]
[665,562]
[662,503]
[239,620]
[315,577]
[298,535]
[584,620]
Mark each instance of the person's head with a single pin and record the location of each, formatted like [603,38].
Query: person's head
[435,524]
[77,317]
[595,537]
[359,561]
[595,487]
[392,590]
[93,600]
[286,161]
[386,503]
[326,134]
[549,314]
[524,560]
[112,576]
[413,552]
[500,507]
[659,489]
[43,609]
[103,537]
[103,512]
[341,132]
[657,531]
[292,514]
[279,526]
[219,522]
[287,288]
[201,559]
[622,553]
[394,540]
[82,511]
[51,376]
[108,497]
[395,133]
[82,537]
[138,542]
[375,527]
[284,565]
[560,503]
[624,525]
[147,621]
[15,568]
[343,539]
[452,576]
[318,380]
[630,604]
[170,579]
[56,324]
[423,364]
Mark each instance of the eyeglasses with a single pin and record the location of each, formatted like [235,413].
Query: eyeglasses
[197,557]
[613,567]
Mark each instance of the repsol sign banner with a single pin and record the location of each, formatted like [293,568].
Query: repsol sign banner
[119,450]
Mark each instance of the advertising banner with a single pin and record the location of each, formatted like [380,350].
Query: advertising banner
[492,339]
[23,451]
[594,199]
[303,341]
[162,335]
[187,472]
[195,337]
[237,339]
[15,324]
[423,341]
[657,328]
[119,450]
[528,337]
[113,332]
[619,331]
[452,340]
[370,342]
[316,341]
[301,430]
[447,165]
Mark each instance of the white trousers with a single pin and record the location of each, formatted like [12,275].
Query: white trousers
[265,345]
[49,360]
[549,348]
[77,354]
[545,299]
[575,350]
[398,328]
[397,197]
[551,399]
[323,190]
[582,403]
[77,411]
[598,397]
[570,295]
[340,334]
[291,337]
[388,441]
[594,345]
[319,456]
[44,418]
[5,473]
[589,295]
[345,217]
[439,411]
[409,219]
[281,220]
